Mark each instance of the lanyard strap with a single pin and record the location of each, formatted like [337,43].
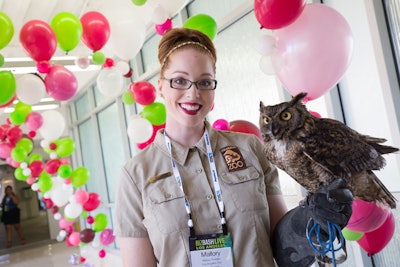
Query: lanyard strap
[217,188]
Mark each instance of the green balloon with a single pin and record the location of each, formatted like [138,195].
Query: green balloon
[139,2]
[45,182]
[7,86]
[17,117]
[1,60]
[6,29]
[64,171]
[19,174]
[26,144]
[65,147]
[24,108]
[100,222]
[127,98]
[35,156]
[155,113]
[98,58]
[204,23]
[351,235]
[80,176]
[68,29]
[18,154]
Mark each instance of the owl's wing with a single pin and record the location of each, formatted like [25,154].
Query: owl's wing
[341,149]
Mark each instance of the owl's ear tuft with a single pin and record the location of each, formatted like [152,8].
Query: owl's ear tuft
[261,105]
[297,98]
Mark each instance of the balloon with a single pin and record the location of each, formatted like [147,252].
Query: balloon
[203,23]
[96,30]
[14,134]
[367,216]
[265,44]
[53,124]
[110,82]
[126,24]
[374,241]
[45,182]
[1,60]
[36,168]
[38,39]
[98,58]
[100,222]
[65,147]
[127,98]
[7,103]
[7,86]
[5,150]
[52,166]
[25,144]
[19,174]
[33,121]
[245,127]
[275,14]
[313,52]
[68,30]
[159,15]
[74,238]
[87,235]
[142,146]
[64,171]
[60,192]
[17,118]
[80,176]
[107,237]
[92,203]
[82,62]
[143,92]
[171,6]
[81,196]
[73,210]
[163,27]
[139,129]
[123,67]
[139,2]
[221,124]
[30,88]
[61,83]
[64,224]
[351,235]
[6,29]
[155,113]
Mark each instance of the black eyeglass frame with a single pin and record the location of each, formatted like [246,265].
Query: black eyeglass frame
[170,80]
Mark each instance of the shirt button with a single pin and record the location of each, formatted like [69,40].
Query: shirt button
[219,226]
[209,197]
[198,171]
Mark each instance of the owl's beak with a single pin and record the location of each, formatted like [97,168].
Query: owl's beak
[274,130]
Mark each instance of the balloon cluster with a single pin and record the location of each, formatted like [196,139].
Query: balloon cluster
[142,128]
[309,48]
[372,225]
[59,185]
[241,126]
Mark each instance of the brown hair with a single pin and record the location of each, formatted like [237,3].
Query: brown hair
[179,38]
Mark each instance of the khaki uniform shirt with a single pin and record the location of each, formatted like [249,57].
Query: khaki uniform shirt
[149,202]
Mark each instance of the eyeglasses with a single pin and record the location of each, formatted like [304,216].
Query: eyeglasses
[185,84]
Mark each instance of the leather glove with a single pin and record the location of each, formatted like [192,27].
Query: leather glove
[290,245]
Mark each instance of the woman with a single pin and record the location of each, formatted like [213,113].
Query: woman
[11,215]
[181,198]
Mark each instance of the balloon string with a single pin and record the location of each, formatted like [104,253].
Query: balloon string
[326,246]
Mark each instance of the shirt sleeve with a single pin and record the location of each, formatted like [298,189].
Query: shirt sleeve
[128,208]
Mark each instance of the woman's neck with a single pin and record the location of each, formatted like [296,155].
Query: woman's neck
[186,136]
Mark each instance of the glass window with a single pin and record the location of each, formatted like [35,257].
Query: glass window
[216,9]
[112,147]
[149,53]
[82,106]
[99,98]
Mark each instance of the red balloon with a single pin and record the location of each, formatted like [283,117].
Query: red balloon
[373,242]
[61,83]
[243,126]
[367,216]
[52,166]
[143,145]
[87,235]
[96,30]
[143,92]
[162,28]
[36,168]
[14,134]
[92,203]
[38,39]
[275,14]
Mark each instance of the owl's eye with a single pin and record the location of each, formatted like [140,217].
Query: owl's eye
[286,116]
[267,120]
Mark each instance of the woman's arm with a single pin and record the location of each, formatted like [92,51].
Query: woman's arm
[277,209]
[137,252]
[15,198]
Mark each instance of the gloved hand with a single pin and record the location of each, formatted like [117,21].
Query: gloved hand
[290,245]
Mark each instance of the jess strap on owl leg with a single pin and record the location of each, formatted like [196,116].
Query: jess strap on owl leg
[331,203]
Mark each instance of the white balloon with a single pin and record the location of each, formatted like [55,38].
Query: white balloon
[266,65]
[60,193]
[73,210]
[82,62]
[123,67]
[266,44]
[110,82]
[171,6]
[53,125]
[139,129]
[160,15]
[30,88]
[35,187]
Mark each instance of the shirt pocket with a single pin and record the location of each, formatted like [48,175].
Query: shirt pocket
[168,206]
[246,188]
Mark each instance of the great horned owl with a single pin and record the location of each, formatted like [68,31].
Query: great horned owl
[316,151]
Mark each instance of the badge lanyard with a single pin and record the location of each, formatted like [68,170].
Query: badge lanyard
[217,188]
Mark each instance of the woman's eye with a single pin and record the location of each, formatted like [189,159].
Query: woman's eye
[286,116]
[180,81]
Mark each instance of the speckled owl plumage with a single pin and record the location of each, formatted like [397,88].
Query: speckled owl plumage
[316,151]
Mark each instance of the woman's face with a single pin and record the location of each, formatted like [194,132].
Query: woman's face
[187,108]
[8,191]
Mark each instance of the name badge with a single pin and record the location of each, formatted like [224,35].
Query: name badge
[211,250]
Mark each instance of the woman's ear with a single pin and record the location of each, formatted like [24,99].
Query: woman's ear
[159,88]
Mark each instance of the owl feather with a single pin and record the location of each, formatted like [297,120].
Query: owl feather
[316,151]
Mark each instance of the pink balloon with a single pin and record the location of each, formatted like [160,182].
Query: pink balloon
[36,168]
[367,216]
[81,196]
[221,124]
[275,14]
[96,30]
[374,241]
[61,84]
[5,150]
[33,121]
[75,238]
[143,92]
[243,126]
[162,28]
[52,166]
[38,39]
[107,237]
[313,52]
[64,224]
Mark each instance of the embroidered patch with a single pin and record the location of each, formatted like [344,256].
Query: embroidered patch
[233,158]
